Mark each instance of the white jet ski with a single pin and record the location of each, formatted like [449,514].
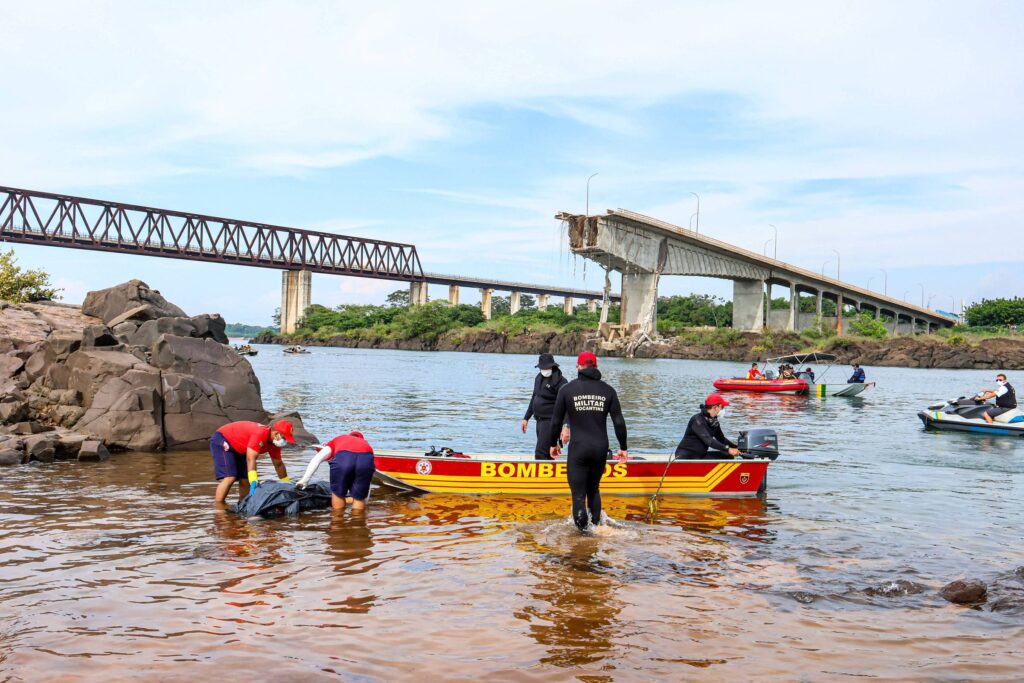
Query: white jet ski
[965,415]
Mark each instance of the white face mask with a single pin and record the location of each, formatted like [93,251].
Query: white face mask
[545,373]
[1000,382]
[280,443]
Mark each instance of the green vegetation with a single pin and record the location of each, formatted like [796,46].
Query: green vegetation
[996,313]
[866,325]
[248,331]
[18,285]
[694,310]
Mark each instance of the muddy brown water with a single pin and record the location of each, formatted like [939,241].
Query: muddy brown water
[124,570]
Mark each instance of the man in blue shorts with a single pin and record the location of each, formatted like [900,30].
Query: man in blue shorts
[352,468]
[235,447]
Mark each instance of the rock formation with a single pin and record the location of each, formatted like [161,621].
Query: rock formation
[128,370]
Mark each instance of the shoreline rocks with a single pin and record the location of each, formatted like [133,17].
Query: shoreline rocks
[925,351]
[126,371]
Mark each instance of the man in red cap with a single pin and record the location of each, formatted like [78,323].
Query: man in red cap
[235,447]
[587,403]
[703,433]
[352,467]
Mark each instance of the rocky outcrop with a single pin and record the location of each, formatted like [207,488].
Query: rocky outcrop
[129,370]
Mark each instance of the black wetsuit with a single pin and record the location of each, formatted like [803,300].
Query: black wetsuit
[703,433]
[542,405]
[587,402]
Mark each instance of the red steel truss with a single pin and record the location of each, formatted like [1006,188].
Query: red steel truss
[59,220]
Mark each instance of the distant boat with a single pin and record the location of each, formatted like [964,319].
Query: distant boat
[295,350]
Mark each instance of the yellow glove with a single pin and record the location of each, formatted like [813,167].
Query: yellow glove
[253,477]
[285,479]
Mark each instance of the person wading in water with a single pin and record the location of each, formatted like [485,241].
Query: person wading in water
[587,402]
[542,403]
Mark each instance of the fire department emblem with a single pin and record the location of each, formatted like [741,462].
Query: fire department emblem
[744,477]
[423,467]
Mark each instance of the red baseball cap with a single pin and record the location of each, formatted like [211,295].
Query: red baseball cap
[587,360]
[715,400]
[284,428]
[356,434]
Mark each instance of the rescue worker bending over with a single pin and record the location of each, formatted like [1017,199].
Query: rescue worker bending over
[703,433]
[753,372]
[587,402]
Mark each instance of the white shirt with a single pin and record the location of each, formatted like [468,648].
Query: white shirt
[1001,390]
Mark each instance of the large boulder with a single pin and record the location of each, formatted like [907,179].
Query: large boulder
[126,411]
[110,304]
[211,326]
[148,331]
[93,451]
[205,385]
[303,437]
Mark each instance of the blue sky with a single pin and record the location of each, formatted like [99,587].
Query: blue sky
[889,133]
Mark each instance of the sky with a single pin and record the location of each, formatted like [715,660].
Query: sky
[887,132]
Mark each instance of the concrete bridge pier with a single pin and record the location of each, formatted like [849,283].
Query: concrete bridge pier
[567,305]
[591,305]
[639,301]
[485,302]
[296,296]
[515,302]
[747,304]
[417,293]
[453,295]
[542,302]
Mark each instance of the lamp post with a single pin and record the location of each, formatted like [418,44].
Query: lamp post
[868,285]
[698,210]
[823,267]
[922,293]
[905,294]
[588,192]
[837,263]
[775,249]
[885,289]
[764,249]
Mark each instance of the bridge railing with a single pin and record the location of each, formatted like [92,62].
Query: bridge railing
[61,220]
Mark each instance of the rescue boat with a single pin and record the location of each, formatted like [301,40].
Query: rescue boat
[776,386]
[490,474]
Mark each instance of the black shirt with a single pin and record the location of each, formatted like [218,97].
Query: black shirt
[1008,399]
[702,434]
[586,403]
[545,391]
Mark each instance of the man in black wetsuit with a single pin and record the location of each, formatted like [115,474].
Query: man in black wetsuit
[542,403]
[587,402]
[703,433]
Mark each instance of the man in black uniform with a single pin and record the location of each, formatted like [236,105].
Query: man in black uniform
[704,433]
[542,403]
[587,402]
[1005,396]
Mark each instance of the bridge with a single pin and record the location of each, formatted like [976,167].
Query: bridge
[48,219]
[643,249]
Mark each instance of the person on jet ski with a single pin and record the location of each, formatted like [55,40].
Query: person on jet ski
[704,433]
[1005,396]
[858,376]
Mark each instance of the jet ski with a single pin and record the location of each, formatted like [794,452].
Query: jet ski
[965,415]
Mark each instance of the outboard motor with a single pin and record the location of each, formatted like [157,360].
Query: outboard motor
[759,443]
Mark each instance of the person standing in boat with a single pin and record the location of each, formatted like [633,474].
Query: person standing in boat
[1005,396]
[546,384]
[704,438]
[587,403]
[753,372]
[352,467]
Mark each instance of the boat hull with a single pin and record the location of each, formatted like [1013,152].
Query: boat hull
[485,476]
[937,420]
[846,390]
[767,386]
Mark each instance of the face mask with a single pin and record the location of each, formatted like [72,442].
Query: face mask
[545,373]
[1000,382]
[280,443]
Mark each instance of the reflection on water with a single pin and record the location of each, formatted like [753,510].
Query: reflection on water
[124,569]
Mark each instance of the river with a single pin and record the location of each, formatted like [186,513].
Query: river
[124,570]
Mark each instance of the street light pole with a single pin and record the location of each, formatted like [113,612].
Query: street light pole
[775,249]
[922,293]
[837,264]
[885,291]
[823,267]
[698,210]
[905,294]
[868,286]
[764,250]
[588,192]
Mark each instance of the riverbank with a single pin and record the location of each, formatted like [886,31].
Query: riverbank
[924,351]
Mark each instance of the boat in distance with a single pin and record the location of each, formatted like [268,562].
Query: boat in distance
[773,386]
[490,474]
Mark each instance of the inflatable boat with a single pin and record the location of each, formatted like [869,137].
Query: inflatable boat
[775,386]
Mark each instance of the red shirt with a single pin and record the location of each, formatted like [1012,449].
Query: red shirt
[348,444]
[242,436]
[754,373]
